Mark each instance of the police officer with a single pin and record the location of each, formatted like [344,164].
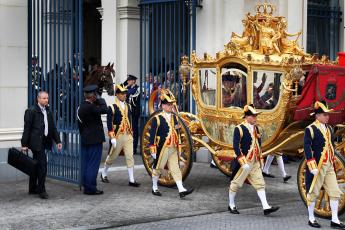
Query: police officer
[133,99]
[164,144]
[248,164]
[120,134]
[92,137]
[319,151]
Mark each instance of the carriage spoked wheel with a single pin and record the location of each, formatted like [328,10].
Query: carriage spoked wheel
[185,159]
[223,164]
[322,206]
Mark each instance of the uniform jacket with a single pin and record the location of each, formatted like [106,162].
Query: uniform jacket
[90,123]
[34,129]
[315,148]
[133,99]
[243,143]
[117,118]
[160,132]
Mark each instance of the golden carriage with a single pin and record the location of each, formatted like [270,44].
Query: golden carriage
[264,67]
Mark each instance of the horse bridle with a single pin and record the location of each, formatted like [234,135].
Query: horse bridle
[103,78]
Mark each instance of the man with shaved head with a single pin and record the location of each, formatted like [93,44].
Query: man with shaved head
[39,134]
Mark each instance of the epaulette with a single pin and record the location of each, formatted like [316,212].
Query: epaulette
[311,130]
[240,130]
[112,108]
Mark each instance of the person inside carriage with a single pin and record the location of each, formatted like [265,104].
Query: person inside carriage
[232,91]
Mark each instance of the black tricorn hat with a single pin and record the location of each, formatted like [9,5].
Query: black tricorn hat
[131,77]
[167,96]
[249,110]
[321,107]
[121,89]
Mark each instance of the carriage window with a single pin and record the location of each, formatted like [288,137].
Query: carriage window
[266,89]
[208,85]
[234,92]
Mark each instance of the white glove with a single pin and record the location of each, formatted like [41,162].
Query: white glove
[113,142]
[153,155]
[314,171]
[245,167]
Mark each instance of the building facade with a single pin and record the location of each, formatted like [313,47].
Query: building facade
[141,38]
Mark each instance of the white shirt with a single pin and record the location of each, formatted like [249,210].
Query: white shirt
[167,116]
[44,111]
[123,105]
[251,128]
[323,127]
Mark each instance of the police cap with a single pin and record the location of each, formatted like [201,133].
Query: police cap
[131,77]
[90,88]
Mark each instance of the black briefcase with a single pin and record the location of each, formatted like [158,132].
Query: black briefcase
[22,161]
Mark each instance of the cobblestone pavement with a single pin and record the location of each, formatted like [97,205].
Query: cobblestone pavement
[135,208]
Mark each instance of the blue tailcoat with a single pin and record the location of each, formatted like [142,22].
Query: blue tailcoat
[115,119]
[242,145]
[159,132]
[314,145]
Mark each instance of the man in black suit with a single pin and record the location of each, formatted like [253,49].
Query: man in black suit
[39,134]
[92,137]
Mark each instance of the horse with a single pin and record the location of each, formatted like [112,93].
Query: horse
[63,82]
[102,76]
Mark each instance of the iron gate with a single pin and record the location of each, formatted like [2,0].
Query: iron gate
[167,32]
[324,17]
[55,58]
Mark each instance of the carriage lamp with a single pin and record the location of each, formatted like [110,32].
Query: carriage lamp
[184,71]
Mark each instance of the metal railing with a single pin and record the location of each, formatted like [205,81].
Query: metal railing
[55,60]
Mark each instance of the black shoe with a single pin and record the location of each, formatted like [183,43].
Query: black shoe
[104,179]
[97,192]
[233,210]
[337,226]
[315,224]
[33,192]
[134,184]
[270,210]
[43,195]
[213,166]
[156,193]
[185,193]
[286,178]
[267,175]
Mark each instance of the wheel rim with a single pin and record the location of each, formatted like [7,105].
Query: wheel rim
[185,159]
[322,206]
[223,165]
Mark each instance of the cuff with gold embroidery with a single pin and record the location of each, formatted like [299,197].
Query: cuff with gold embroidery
[311,163]
[111,134]
[242,159]
[153,149]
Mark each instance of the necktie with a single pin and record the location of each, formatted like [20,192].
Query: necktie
[44,111]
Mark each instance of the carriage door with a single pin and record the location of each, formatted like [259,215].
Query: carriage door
[55,65]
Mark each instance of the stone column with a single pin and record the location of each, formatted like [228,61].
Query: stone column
[108,17]
[128,39]
[13,80]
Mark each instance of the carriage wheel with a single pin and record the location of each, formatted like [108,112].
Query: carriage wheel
[322,206]
[185,160]
[152,101]
[223,164]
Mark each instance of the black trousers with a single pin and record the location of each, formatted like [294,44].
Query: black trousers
[37,183]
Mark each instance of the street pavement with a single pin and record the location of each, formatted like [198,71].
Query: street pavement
[125,207]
